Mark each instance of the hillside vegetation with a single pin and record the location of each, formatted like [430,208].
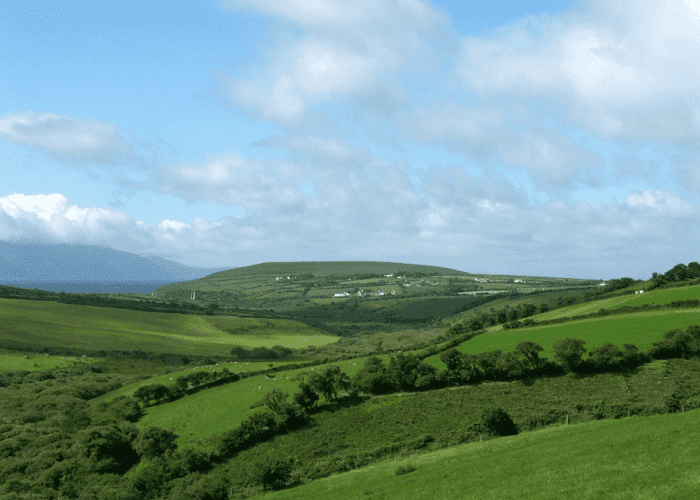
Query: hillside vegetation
[166,407]
[652,458]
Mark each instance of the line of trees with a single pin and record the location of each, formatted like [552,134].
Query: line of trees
[679,272]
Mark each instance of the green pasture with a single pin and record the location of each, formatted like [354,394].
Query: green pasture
[12,362]
[640,458]
[640,329]
[169,378]
[52,324]
[214,411]
[658,297]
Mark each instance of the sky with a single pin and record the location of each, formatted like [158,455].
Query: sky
[547,138]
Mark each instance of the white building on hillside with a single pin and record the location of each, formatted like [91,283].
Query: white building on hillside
[344,294]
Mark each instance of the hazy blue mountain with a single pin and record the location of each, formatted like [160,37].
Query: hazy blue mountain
[88,268]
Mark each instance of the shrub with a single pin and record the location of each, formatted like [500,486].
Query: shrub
[270,473]
[497,422]
[405,470]
[155,442]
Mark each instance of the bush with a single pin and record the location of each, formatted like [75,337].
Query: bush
[405,470]
[497,422]
[270,473]
[155,442]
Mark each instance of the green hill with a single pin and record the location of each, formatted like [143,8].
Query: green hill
[632,458]
[333,268]
[52,325]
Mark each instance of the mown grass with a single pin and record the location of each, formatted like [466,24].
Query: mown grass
[634,458]
[640,329]
[51,324]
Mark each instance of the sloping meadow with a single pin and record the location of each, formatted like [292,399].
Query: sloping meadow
[54,325]
[633,458]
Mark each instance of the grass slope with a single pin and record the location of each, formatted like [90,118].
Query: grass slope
[658,297]
[640,329]
[51,324]
[213,411]
[633,458]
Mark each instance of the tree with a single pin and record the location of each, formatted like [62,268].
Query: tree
[329,382]
[155,442]
[372,378]
[144,394]
[126,408]
[307,397]
[275,400]
[497,422]
[402,371]
[509,365]
[513,314]
[530,351]
[461,368]
[107,448]
[568,352]
[606,356]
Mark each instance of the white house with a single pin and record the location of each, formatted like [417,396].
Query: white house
[379,292]
[344,294]
[406,284]
[388,275]
[517,281]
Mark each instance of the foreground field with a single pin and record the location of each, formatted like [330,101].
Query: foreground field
[632,458]
[51,324]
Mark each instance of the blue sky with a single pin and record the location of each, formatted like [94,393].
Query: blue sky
[550,138]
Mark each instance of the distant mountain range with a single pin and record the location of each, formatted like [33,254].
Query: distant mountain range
[28,263]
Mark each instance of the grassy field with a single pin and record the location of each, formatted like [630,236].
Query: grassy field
[169,378]
[658,297]
[11,361]
[213,411]
[640,329]
[52,324]
[650,458]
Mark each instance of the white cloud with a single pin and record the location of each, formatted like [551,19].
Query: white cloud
[346,49]
[231,180]
[619,70]
[66,139]
[661,203]
[173,224]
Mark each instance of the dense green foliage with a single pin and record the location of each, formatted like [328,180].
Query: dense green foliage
[58,440]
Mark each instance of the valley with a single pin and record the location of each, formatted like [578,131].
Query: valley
[327,395]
